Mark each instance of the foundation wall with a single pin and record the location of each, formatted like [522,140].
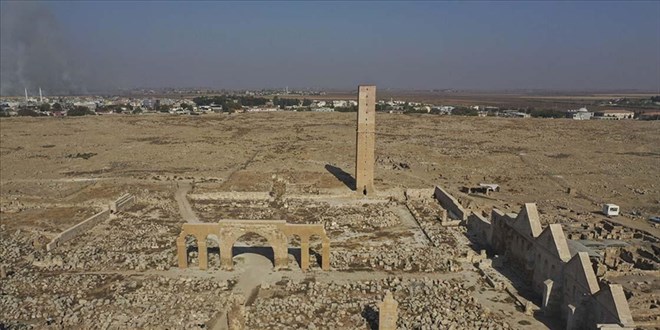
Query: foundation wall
[233,195]
[122,203]
[480,228]
[78,229]
[450,203]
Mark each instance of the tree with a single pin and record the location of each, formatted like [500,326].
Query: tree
[350,108]
[462,111]
[79,111]
[57,107]
[306,102]
[44,107]
[28,112]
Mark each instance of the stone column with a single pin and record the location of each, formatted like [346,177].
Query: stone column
[182,252]
[203,254]
[388,312]
[325,264]
[226,257]
[304,253]
[366,140]
[281,259]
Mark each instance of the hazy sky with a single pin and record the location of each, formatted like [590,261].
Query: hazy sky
[420,45]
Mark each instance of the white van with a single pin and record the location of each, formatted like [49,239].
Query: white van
[611,210]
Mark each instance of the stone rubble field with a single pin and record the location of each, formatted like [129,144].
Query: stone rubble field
[122,274]
[423,304]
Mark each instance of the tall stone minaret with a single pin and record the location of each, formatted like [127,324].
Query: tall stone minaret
[366,140]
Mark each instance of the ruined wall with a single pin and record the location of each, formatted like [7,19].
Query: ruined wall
[123,202]
[233,195]
[515,247]
[609,306]
[568,286]
[78,229]
[480,229]
[550,255]
[450,203]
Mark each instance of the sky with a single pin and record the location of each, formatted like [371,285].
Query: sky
[89,46]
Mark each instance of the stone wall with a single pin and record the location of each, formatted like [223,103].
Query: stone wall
[78,229]
[479,228]
[122,203]
[567,284]
[233,195]
[450,203]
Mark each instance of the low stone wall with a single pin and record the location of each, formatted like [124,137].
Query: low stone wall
[480,228]
[122,203]
[450,203]
[233,195]
[78,229]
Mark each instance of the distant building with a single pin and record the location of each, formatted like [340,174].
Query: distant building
[262,109]
[444,109]
[652,115]
[514,113]
[323,109]
[580,114]
[614,114]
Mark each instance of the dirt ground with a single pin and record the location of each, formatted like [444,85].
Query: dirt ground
[55,172]
[534,160]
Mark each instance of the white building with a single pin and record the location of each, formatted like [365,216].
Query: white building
[580,114]
[614,114]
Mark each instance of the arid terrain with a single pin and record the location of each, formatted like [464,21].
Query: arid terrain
[57,172]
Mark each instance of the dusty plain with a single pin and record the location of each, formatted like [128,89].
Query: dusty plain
[55,172]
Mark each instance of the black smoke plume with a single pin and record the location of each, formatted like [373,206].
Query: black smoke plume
[34,52]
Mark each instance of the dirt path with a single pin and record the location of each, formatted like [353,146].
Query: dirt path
[187,213]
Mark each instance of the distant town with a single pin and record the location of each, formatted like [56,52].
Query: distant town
[198,102]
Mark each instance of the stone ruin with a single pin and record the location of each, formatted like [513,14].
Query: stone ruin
[566,282]
[276,232]
[366,140]
[236,313]
[123,202]
[387,312]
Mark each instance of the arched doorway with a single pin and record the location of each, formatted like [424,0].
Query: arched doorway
[192,250]
[251,243]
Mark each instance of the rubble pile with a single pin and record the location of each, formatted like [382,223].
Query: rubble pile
[423,304]
[390,258]
[363,218]
[72,300]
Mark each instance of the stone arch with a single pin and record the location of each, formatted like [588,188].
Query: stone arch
[267,250]
[275,238]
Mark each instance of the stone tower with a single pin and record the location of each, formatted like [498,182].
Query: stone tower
[388,312]
[366,140]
